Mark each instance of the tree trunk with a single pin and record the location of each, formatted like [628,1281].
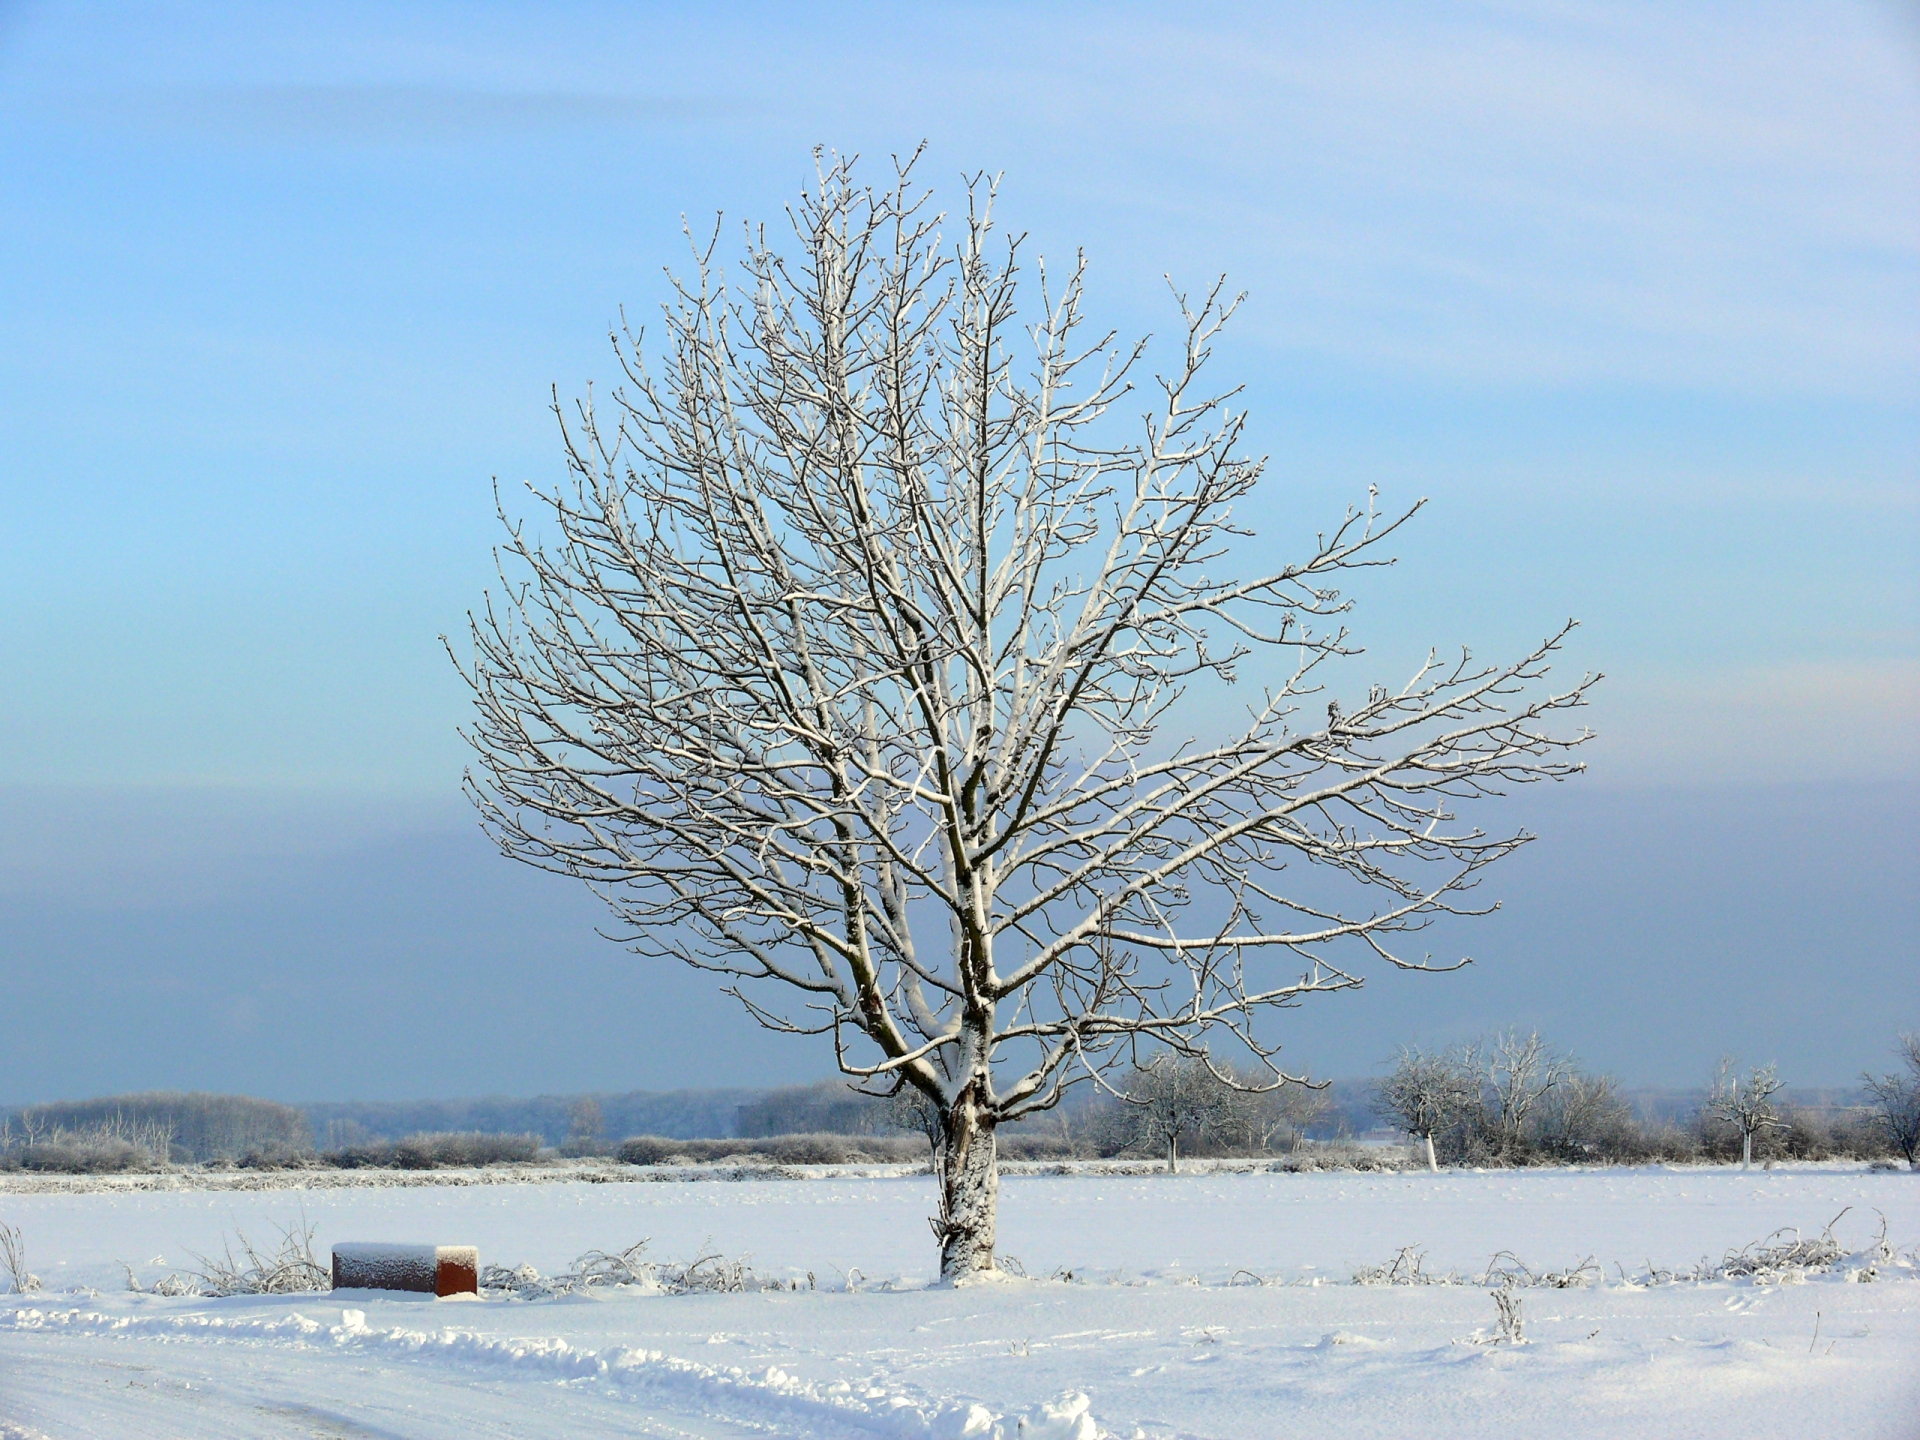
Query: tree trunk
[1432,1163]
[1173,1161]
[1746,1149]
[968,1172]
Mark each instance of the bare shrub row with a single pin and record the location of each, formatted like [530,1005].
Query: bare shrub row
[821,1148]
[1515,1100]
[442,1151]
[140,1131]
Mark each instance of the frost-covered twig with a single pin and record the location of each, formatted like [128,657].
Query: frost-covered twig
[1506,1268]
[1510,1327]
[13,1259]
[290,1268]
[1507,1301]
[1783,1255]
[1786,1257]
[1406,1268]
[629,1268]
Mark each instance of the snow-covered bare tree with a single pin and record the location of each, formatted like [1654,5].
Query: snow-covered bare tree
[915,1110]
[855,659]
[1517,1072]
[1745,1105]
[1427,1093]
[1172,1096]
[1896,1100]
[586,1124]
[1582,1117]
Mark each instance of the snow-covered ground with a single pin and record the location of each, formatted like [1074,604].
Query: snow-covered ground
[1197,1305]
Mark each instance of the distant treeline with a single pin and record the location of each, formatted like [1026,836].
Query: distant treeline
[552,1119]
[827,1107]
[1344,1110]
[1514,1099]
[168,1124]
[1175,1106]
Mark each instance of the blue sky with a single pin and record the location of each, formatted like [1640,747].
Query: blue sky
[1631,292]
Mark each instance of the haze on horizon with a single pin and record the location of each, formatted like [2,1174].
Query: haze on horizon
[1634,296]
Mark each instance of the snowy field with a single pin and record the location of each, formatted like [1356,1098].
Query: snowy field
[1196,1305]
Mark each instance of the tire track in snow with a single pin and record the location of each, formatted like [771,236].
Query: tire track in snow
[838,1408]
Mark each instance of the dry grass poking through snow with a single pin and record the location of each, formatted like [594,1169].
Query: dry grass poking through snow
[630,1269]
[242,1268]
[13,1260]
[1785,1258]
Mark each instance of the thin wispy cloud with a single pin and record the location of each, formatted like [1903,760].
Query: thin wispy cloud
[1538,197]
[1662,264]
[1721,199]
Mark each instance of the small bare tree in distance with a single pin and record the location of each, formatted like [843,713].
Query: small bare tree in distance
[1897,1099]
[1174,1095]
[911,1109]
[845,668]
[1427,1093]
[585,1124]
[1519,1072]
[1583,1115]
[1748,1106]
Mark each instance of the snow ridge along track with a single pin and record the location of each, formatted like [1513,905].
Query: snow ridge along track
[771,1400]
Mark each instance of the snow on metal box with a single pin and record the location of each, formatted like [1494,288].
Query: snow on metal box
[428,1269]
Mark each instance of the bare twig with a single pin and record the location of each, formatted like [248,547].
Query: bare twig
[629,1268]
[1506,1300]
[1406,1268]
[288,1268]
[13,1260]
